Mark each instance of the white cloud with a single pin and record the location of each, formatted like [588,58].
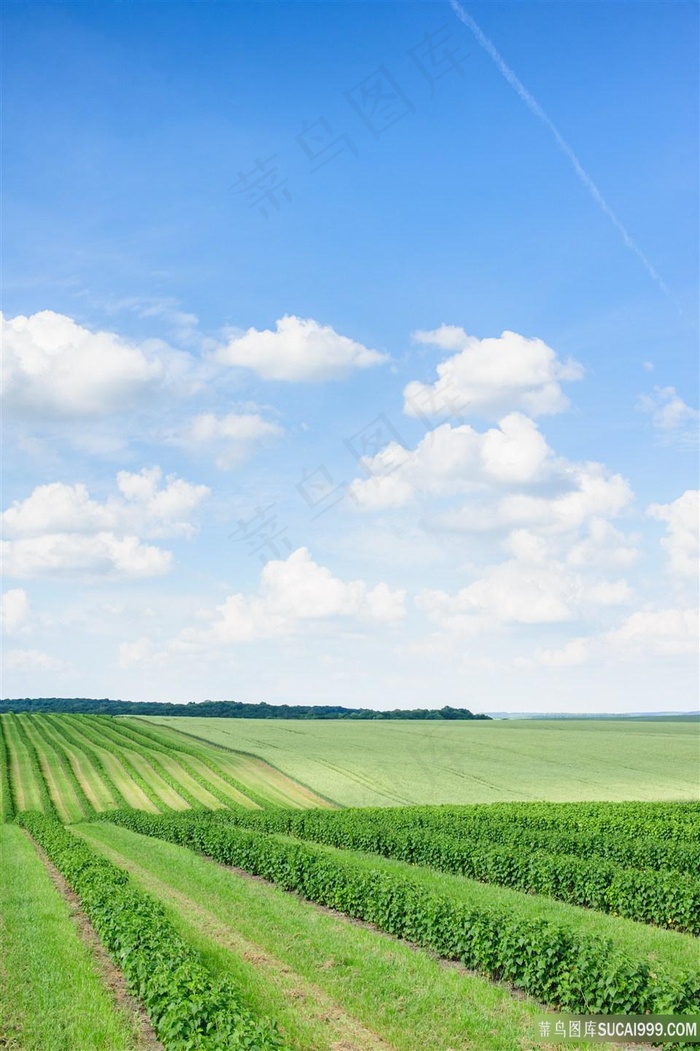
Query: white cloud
[299,350]
[60,529]
[232,438]
[144,506]
[452,460]
[574,652]
[604,546]
[14,611]
[32,660]
[664,632]
[53,366]
[681,542]
[293,593]
[491,377]
[528,589]
[132,653]
[591,491]
[675,422]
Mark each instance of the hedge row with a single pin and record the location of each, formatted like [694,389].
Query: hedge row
[189,1010]
[667,899]
[511,826]
[8,807]
[558,966]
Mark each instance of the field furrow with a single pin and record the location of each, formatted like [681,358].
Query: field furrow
[66,796]
[27,788]
[118,769]
[102,793]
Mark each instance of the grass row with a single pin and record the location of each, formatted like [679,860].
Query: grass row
[133,786]
[211,796]
[67,793]
[88,766]
[53,995]
[46,804]
[189,1011]
[557,965]
[668,899]
[330,983]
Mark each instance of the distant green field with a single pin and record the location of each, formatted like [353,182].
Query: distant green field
[395,763]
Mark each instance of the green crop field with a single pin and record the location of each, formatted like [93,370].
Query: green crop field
[398,763]
[247,901]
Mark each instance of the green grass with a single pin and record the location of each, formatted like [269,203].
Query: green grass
[397,763]
[27,789]
[53,996]
[303,965]
[65,793]
[78,763]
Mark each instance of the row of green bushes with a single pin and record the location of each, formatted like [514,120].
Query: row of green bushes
[667,899]
[189,1010]
[507,827]
[7,811]
[503,827]
[553,963]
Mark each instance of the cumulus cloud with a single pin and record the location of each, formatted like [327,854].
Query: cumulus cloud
[56,367]
[452,460]
[530,588]
[299,350]
[32,660]
[491,377]
[673,420]
[231,438]
[574,652]
[60,529]
[590,490]
[14,611]
[681,542]
[663,632]
[293,593]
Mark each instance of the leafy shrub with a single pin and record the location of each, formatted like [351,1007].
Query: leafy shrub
[190,1011]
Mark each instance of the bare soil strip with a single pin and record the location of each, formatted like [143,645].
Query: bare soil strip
[146,1039]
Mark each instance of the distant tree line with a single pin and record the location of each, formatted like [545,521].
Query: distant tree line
[224,709]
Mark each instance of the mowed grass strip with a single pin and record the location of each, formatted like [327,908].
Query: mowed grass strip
[172,764]
[311,968]
[385,763]
[265,783]
[126,779]
[100,789]
[26,788]
[53,997]
[68,799]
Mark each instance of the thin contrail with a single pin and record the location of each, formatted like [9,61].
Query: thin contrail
[534,107]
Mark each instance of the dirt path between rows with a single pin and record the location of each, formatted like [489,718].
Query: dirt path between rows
[344,1032]
[146,1039]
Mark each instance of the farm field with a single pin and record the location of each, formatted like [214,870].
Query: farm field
[399,763]
[243,909]
[78,764]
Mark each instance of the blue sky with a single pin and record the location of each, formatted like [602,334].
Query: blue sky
[329,379]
